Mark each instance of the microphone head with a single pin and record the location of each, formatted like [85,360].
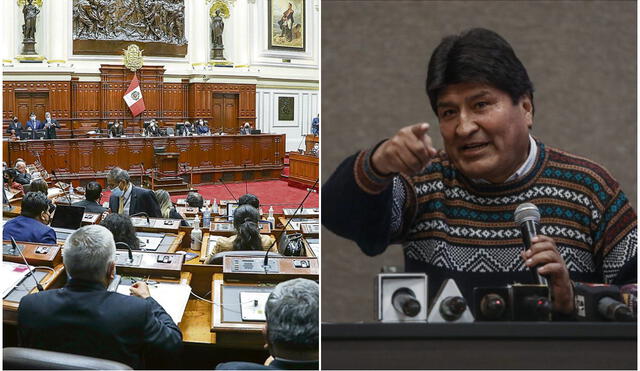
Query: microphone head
[526,212]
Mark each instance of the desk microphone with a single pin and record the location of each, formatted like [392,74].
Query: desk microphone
[284,229]
[128,248]
[143,214]
[15,246]
[53,172]
[228,190]
[527,216]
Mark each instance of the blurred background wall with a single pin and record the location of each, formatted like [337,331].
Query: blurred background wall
[581,57]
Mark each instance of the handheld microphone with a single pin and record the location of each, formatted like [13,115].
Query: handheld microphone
[225,186]
[15,247]
[53,172]
[284,229]
[128,248]
[527,216]
[142,213]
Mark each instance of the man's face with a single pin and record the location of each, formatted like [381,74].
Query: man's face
[21,167]
[485,135]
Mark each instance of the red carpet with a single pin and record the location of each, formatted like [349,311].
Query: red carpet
[276,193]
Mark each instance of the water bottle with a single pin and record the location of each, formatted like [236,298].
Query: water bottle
[270,218]
[196,234]
[215,206]
[70,188]
[206,217]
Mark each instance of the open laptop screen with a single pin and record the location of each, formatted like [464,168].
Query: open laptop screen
[68,217]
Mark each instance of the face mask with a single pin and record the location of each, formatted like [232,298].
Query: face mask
[33,118]
[117,192]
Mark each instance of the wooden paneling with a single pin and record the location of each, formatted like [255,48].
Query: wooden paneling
[303,169]
[82,158]
[83,106]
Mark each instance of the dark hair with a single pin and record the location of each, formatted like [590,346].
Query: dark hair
[245,221]
[194,199]
[122,229]
[249,199]
[477,55]
[92,191]
[9,174]
[39,185]
[33,204]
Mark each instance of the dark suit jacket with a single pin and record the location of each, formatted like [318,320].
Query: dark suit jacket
[116,131]
[90,206]
[84,318]
[50,132]
[23,178]
[26,229]
[17,126]
[142,200]
[35,125]
[277,364]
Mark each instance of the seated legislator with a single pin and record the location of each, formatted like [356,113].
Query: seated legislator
[245,129]
[201,127]
[455,208]
[15,127]
[39,185]
[84,318]
[122,230]
[291,331]
[128,199]
[249,199]
[50,126]
[23,177]
[31,224]
[9,178]
[92,195]
[116,130]
[194,199]
[166,207]
[247,237]
[187,129]
[153,130]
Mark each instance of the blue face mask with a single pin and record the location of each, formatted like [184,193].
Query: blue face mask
[117,192]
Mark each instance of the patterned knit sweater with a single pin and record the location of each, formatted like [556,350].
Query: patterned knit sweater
[451,227]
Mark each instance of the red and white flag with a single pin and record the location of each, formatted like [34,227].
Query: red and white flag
[133,97]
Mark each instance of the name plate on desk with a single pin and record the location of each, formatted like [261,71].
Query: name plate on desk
[90,218]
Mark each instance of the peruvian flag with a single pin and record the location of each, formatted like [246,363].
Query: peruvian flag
[133,97]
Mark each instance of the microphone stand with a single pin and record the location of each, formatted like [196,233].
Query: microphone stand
[15,246]
[234,197]
[128,248]
[142,213]
[284,229]
[246,178]
[55,177]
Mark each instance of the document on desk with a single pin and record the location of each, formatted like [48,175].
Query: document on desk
[12,274]
[172,297]
[252,305]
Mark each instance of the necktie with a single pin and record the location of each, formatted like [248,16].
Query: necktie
[121,208]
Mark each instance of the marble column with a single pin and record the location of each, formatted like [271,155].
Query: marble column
[9,31]
[58,30]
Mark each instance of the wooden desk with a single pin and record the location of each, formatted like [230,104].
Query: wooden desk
[303,168]
[209,157]
[51,256]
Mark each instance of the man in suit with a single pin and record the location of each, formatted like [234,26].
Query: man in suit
[15,127]
[92,195]
[291,331]
[153,130]
[245,129]
[84,318]
[128,199]
[31,225]
[117,130]
[23,176]
[50,126]
[33,124]
[201,127]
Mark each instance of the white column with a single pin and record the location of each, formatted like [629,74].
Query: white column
[58,30]
[9,31]
[199,32]
[239,37]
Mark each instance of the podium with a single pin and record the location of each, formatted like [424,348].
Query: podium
[166,175]
[167,163]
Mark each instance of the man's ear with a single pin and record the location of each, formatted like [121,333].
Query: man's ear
[527,107]
[111,271]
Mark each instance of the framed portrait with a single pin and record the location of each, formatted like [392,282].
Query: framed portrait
[287,24]
[285,108]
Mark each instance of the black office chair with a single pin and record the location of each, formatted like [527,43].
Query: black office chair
[36,359]
[159,149]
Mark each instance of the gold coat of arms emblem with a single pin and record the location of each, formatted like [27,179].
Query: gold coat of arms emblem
[133,57]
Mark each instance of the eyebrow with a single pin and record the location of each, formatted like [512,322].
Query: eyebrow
[471,98]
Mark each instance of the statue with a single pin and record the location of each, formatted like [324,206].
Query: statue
[217,28]
[30,13]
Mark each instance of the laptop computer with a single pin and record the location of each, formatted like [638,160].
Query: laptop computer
[67,217]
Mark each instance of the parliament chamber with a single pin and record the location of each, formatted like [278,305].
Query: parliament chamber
[158,122]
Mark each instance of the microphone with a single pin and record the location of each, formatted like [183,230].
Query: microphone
[225,186]
[15,246]
[614,310]
[53,172]
[527,216]
[600,302]
[404,301]
[142,213]
[128,248]
[284,230]
[141,173]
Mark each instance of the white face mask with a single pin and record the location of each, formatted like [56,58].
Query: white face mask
[33,118]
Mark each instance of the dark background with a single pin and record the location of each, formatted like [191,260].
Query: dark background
[581,57]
